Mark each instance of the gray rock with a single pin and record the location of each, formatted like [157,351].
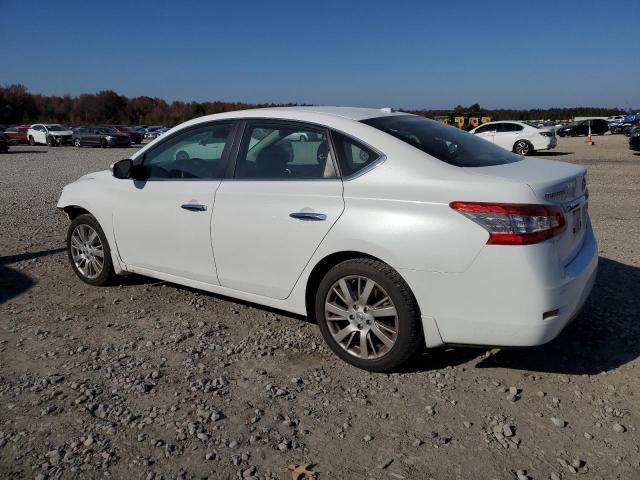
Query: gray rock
[619,428]
[558,422]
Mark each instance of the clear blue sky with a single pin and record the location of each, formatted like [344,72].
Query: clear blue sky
[518,53]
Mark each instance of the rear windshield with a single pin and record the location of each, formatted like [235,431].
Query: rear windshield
[448,144]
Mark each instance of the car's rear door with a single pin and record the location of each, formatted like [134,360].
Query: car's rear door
[506,134]
[163,224]
[280,201]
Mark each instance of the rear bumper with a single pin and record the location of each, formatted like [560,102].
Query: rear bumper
[501,298]
[545,143]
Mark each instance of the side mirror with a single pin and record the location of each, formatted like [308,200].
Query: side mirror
[122,169]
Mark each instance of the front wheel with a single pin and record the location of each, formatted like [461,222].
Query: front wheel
[523,147]
[103,143]
[367,315]
[89,251]
[32,142]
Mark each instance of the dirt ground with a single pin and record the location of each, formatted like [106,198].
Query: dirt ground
[151,380]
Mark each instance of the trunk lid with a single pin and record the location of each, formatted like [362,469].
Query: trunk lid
[557,183]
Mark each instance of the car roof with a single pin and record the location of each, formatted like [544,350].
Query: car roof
[350,113]
[519,122]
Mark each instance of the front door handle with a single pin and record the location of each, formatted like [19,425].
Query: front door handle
[194,207]
[308,216]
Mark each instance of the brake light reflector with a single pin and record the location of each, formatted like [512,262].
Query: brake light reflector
[514,223]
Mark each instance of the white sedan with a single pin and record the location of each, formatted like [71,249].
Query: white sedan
[519,137]
[392,231]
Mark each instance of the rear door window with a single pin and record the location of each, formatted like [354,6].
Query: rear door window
[284,151]
[508,127]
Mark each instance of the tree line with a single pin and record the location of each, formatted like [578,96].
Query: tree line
[524,114]
[19,106]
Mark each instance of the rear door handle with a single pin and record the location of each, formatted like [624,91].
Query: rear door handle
[194,207]
[308,216]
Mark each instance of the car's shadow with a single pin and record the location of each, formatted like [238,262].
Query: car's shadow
[605,336]
[12,283]
[19,152]
[550,154]
[8,259]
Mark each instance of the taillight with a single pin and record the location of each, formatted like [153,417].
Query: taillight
[513,223]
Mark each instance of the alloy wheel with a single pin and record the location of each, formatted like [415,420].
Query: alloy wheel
[361,317]
[522,148]
[87,251]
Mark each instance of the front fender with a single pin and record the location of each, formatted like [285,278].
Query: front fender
[91,194]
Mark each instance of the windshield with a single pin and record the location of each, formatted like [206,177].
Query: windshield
[448,144]
[56,128]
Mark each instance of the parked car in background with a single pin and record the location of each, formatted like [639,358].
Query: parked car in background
[51,134]
[518,137]
[392,231]
[17,135]
[302,137]
[634,140]
[161,131]
[581,128]
[100,137]
[135,135]
[152,132]
[4,143]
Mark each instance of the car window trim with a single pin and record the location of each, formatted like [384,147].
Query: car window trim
[225,153]
[240,141]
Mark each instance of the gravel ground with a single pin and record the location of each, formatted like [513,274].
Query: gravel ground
[151,380]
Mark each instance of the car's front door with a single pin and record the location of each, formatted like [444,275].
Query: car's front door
[40,134]
[271,216]
[163,223]
[486,131]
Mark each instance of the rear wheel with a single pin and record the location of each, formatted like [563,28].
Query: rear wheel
[367,315]
[88,251]
[103,143]
[32,142]
[523,147]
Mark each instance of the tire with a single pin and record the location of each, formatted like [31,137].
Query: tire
[32,142]
[77,143]
[103,143]
[50,142]
[388,287]
[523,147]
[79,236]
